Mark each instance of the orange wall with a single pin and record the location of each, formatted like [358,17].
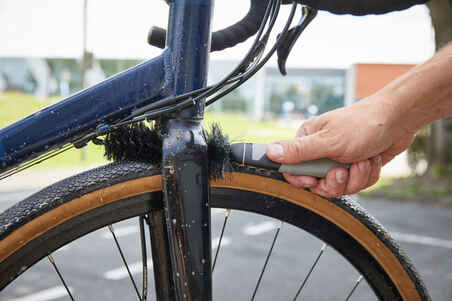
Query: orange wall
[372,77]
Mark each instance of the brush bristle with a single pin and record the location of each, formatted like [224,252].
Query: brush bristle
[218,151]
[139,142]
[135,142]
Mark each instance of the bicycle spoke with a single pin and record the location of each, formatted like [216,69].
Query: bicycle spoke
[144,294]
[52,261]
[354,287]
[322,250]
[110,227]
[226,216]
[266,261]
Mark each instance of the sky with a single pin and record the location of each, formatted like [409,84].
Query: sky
[118,29]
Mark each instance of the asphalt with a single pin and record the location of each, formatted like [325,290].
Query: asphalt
[89,264]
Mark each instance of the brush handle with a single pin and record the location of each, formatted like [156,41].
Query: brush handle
[255,154]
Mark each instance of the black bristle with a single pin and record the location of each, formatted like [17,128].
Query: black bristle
[138,142]
[135,142]
[218,151]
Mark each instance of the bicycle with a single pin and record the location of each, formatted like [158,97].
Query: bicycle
[162,176]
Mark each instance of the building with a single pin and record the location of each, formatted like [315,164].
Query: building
[269,94]
[366,79]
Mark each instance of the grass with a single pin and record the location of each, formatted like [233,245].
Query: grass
[14,106]
[241,128]
[424,189]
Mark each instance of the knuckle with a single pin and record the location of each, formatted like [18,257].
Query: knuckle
[331,189]
[294,150]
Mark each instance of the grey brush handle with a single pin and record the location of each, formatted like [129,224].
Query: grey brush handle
[254,154]
[315,168]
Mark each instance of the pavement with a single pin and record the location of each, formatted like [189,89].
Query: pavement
[34,178]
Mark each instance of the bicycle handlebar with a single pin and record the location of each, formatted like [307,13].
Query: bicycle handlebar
[228,37]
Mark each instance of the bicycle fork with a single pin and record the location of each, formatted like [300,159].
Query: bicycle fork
[185,163]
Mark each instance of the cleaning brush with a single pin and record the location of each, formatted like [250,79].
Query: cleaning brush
[139,142]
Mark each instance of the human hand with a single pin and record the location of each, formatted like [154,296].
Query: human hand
[365,134]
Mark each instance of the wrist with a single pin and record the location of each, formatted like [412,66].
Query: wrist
[403,107]
[383,108]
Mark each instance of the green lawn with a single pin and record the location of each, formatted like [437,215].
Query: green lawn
[14,106]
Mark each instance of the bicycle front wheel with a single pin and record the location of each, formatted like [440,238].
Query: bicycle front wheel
[65,211]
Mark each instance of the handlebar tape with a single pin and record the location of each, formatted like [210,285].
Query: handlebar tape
[225,38]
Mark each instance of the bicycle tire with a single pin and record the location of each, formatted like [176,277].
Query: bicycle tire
[51,218]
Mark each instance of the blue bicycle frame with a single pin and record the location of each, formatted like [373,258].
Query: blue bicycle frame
[182,67]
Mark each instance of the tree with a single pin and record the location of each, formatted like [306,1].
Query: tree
[440,144]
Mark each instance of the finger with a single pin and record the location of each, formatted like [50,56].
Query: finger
[336,181]
[359,177]
[322,190]
[375,168]
[334,184]
[385,158]
[301,181]
[299,149]
[303,130]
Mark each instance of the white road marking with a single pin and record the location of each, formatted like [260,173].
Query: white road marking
[256,229]
[45,295]
[226,241]
[422,240]
[121,231]
[136,267]
[217,211]
[129,230]
[120,273]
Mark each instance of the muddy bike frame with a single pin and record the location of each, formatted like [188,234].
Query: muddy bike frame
[182,261]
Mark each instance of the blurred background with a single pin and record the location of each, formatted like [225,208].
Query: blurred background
[50,49]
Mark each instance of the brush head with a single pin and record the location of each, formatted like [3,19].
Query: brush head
[142,143]
[135,142]
[218,151]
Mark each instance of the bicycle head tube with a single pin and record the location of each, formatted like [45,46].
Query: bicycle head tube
[184,162]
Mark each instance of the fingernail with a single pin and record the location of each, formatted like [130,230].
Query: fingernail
[364,165]
[341,176]
[275,150]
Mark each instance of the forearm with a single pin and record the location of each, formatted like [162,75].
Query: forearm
[424,94]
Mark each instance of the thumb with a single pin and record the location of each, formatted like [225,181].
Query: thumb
[299,149]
